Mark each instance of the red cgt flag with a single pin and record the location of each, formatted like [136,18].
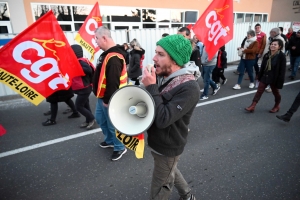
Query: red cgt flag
[86,36]
[39,61]
[215,26]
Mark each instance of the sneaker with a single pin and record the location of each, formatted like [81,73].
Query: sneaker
[268,90]
[202,90]
[236,72]
[203,98]
[47,113]
[216,90]
[224,81]
[237,87]
[251,85]
[49,122]
[84,125]
[90,124]
[104,145]
[192,197]
[118,154]
[74,115]
[68,110]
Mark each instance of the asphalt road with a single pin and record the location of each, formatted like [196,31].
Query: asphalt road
[230,154]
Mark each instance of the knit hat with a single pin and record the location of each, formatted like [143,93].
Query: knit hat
[276,30]
[178,47]
[77,50]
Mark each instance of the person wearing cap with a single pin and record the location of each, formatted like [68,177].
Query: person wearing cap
[294,47]
[175,93]
[82,86]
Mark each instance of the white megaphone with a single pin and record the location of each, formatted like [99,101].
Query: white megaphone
[131,110]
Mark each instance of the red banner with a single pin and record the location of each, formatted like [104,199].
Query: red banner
[39,61]
[215,26]
[86,35]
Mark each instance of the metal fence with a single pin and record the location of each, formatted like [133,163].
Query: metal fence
[148,38]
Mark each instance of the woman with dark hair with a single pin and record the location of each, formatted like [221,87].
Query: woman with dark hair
[272,72]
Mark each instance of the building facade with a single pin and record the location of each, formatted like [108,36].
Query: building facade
[16,15]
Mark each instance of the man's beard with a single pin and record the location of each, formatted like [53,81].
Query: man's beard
[165,71]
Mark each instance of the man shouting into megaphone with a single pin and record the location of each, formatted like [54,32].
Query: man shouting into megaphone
[176,93]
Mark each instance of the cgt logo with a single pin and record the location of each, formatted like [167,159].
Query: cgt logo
[217,29]
[92,21]
[36,66]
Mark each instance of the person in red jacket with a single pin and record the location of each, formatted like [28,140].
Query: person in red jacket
[82,86]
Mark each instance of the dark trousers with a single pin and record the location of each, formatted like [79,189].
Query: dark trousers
[82,104]
[54,108]
[217,74]
[137,82]
[295,104]
[261,89]
[256,67]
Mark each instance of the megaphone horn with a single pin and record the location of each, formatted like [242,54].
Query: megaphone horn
[131,110]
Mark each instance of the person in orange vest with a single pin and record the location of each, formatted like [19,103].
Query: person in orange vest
[110,75]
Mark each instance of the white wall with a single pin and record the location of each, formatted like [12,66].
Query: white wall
[148,38]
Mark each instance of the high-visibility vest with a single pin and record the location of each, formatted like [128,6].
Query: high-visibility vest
[102,79]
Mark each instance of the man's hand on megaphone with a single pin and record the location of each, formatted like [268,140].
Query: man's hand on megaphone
[149,78]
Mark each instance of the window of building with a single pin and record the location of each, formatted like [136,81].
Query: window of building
[176,16]
[190,16]
[149,15]
[3,29]
[124,14]
[62,12]
[257,18]
[73,16]
[265,18]
[5,26]
[80,13]
[239,17]
[163,15]
[249,18]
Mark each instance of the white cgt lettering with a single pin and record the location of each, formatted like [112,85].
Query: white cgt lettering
[216,29]
[35,67]
[88,30]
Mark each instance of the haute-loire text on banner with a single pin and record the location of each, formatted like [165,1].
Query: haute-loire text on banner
[39,61]
[134,143]
[215,26]
[86,35]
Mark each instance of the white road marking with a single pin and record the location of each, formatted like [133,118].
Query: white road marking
[237,95]
[43,144]
[70,137]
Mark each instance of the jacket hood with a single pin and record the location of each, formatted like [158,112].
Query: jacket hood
[140,52]
[117,49]
[189,68]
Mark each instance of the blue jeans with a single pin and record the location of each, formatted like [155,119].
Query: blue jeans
[108,130]
[206,74]
[295,61]
[248,65]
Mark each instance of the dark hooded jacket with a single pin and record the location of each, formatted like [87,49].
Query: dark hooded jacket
[135,70]
[113,72]
[82,84]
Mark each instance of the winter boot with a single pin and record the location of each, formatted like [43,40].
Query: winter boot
[275,108]
[252,107]
[286,117]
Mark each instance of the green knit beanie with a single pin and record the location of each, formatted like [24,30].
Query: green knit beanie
[178,47]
